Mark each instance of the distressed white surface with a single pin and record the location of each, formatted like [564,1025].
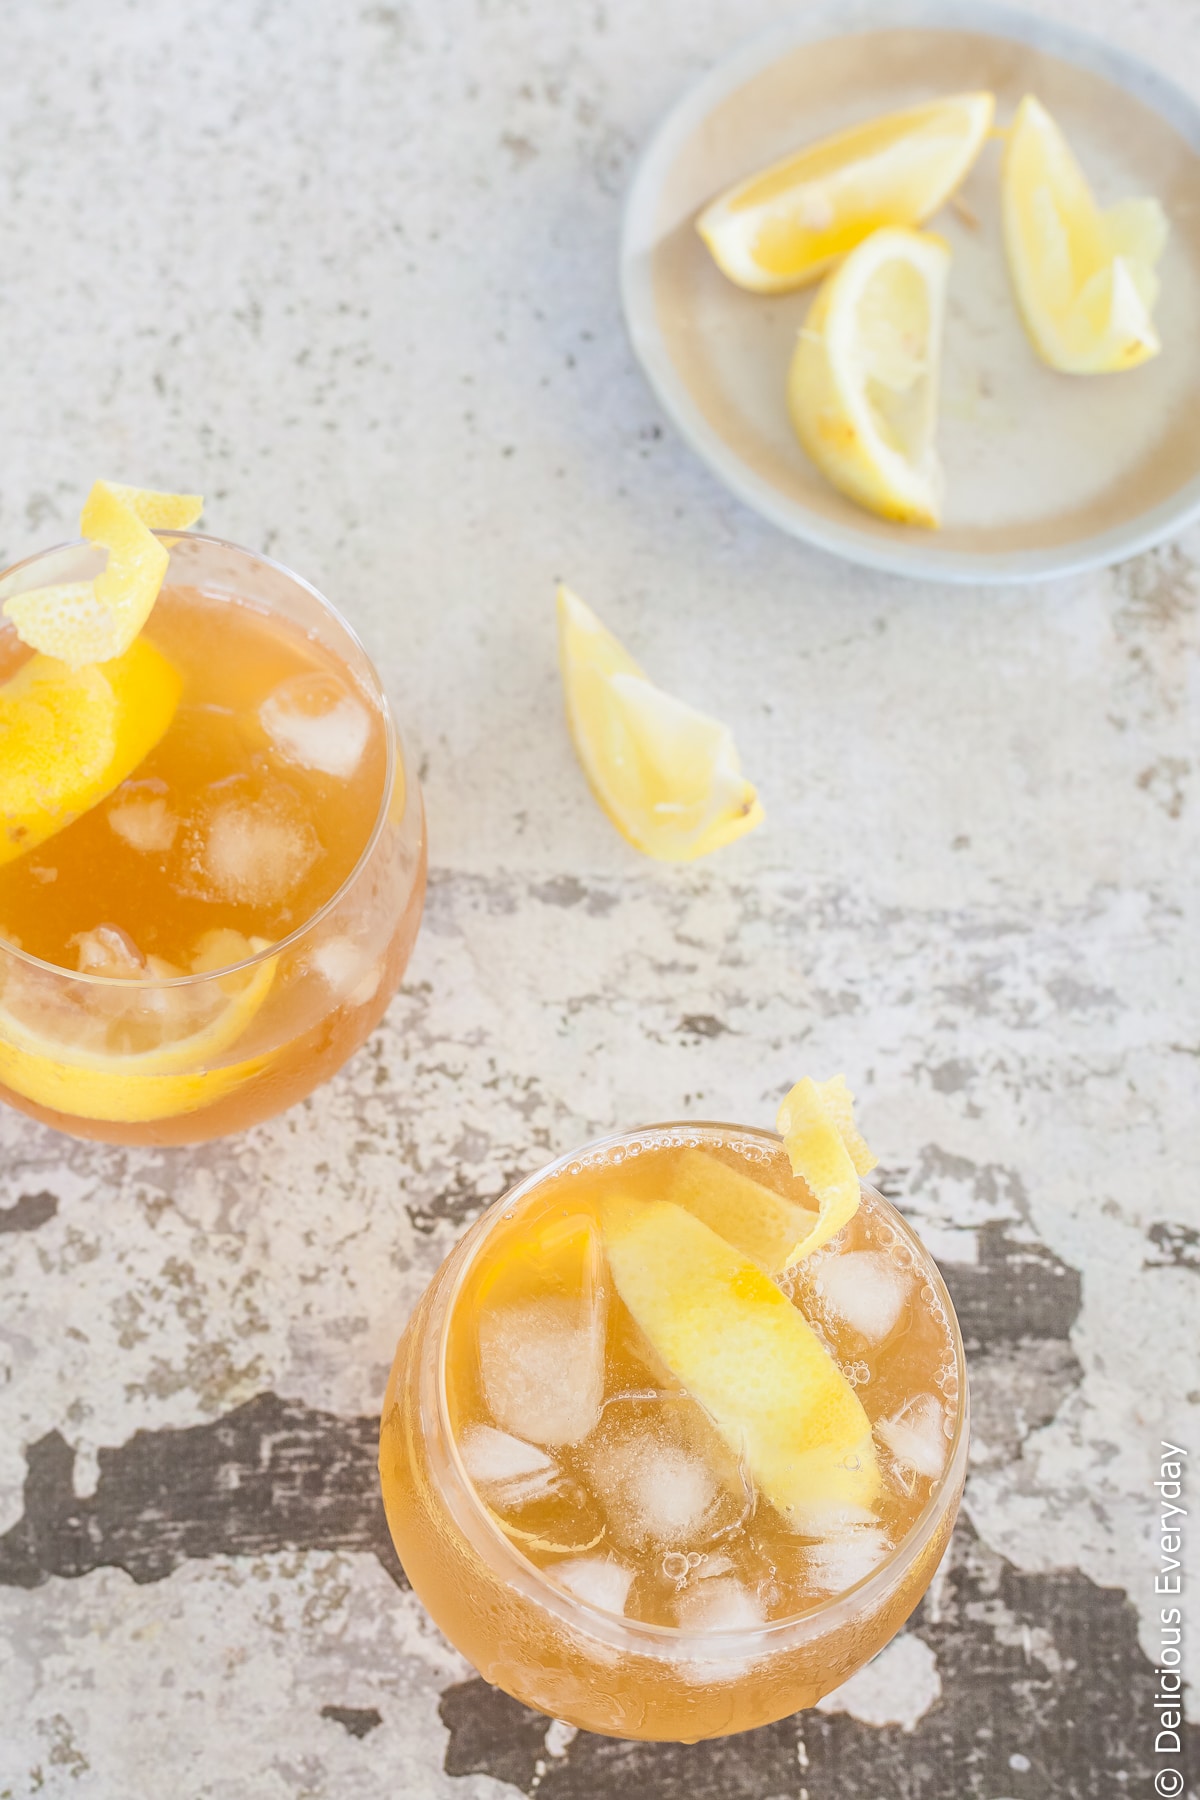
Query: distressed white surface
[352,273]
[897,1687]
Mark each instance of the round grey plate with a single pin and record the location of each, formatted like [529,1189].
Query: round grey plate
[1047,474]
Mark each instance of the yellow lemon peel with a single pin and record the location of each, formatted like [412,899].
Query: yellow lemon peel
[747,1355]
[73,735]
[1084,279]
[816,1123]
[789,223]
[94,621]
[752,1217]
[667,775]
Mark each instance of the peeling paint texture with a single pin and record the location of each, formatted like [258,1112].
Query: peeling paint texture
[350,271]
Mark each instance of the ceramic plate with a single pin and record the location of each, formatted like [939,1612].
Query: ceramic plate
[1047,473]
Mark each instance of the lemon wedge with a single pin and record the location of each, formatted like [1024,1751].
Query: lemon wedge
[667,776]
[71,736]
[1084,279]
[863,384]
[128,1053]
[83,622]
[789,223]
[748,1356]
[756,1220]
[816,1123]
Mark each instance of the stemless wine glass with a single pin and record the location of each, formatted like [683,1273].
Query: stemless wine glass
[137,1056]
[562,1643]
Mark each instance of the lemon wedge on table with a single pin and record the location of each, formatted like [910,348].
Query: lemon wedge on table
[83,622]
[748,1356]
[863,383]
[123,1053]
[1084,279]
[786,225]
[70,736]
[667,776]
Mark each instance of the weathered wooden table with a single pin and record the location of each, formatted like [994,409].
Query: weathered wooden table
[350,270]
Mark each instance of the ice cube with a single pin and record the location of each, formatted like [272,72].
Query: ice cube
[848,1557]
[349,970]
[542,1366]
[515,1471]
[865,1288]
[596,1579]
[145,822]
[653,1491]
[109,951]
[916,1435]
[315,722]
[722,1604]
[254,852]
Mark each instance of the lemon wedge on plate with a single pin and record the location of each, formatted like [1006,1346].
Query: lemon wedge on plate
[92,621]
[748,1356]
[667,776]
[71,736]
[789,223]
[863,383]
[1084,279]
[132,1052]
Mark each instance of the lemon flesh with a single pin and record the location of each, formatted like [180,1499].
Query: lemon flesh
[82,622]
[130,1053]
[667,776]
[816,1123]
[748,1356]
[1084,279]
[788,224]
[863,382]
[71,736]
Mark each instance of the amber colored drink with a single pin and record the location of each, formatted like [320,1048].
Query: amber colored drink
[574,1521]
[211,940]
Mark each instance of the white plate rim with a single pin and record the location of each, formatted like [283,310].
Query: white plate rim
[810,21]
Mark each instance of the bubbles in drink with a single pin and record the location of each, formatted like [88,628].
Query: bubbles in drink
[143,819]
[916,1435]
[867,1289]
[599,1580]
[252,852]
[541,1363]
[315,723]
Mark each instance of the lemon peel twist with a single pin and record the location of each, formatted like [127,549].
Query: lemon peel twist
[82,622]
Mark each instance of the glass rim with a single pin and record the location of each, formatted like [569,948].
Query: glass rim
[675,1641]
[394,745]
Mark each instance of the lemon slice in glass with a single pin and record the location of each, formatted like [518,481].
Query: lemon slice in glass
[816,1123]
[132,1051]
[71,736]
[1084,279]
[863,384]
[786,225]
[667,776]
[748,1356]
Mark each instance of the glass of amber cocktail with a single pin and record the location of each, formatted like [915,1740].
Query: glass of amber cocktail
[646,1479]
[196,947]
